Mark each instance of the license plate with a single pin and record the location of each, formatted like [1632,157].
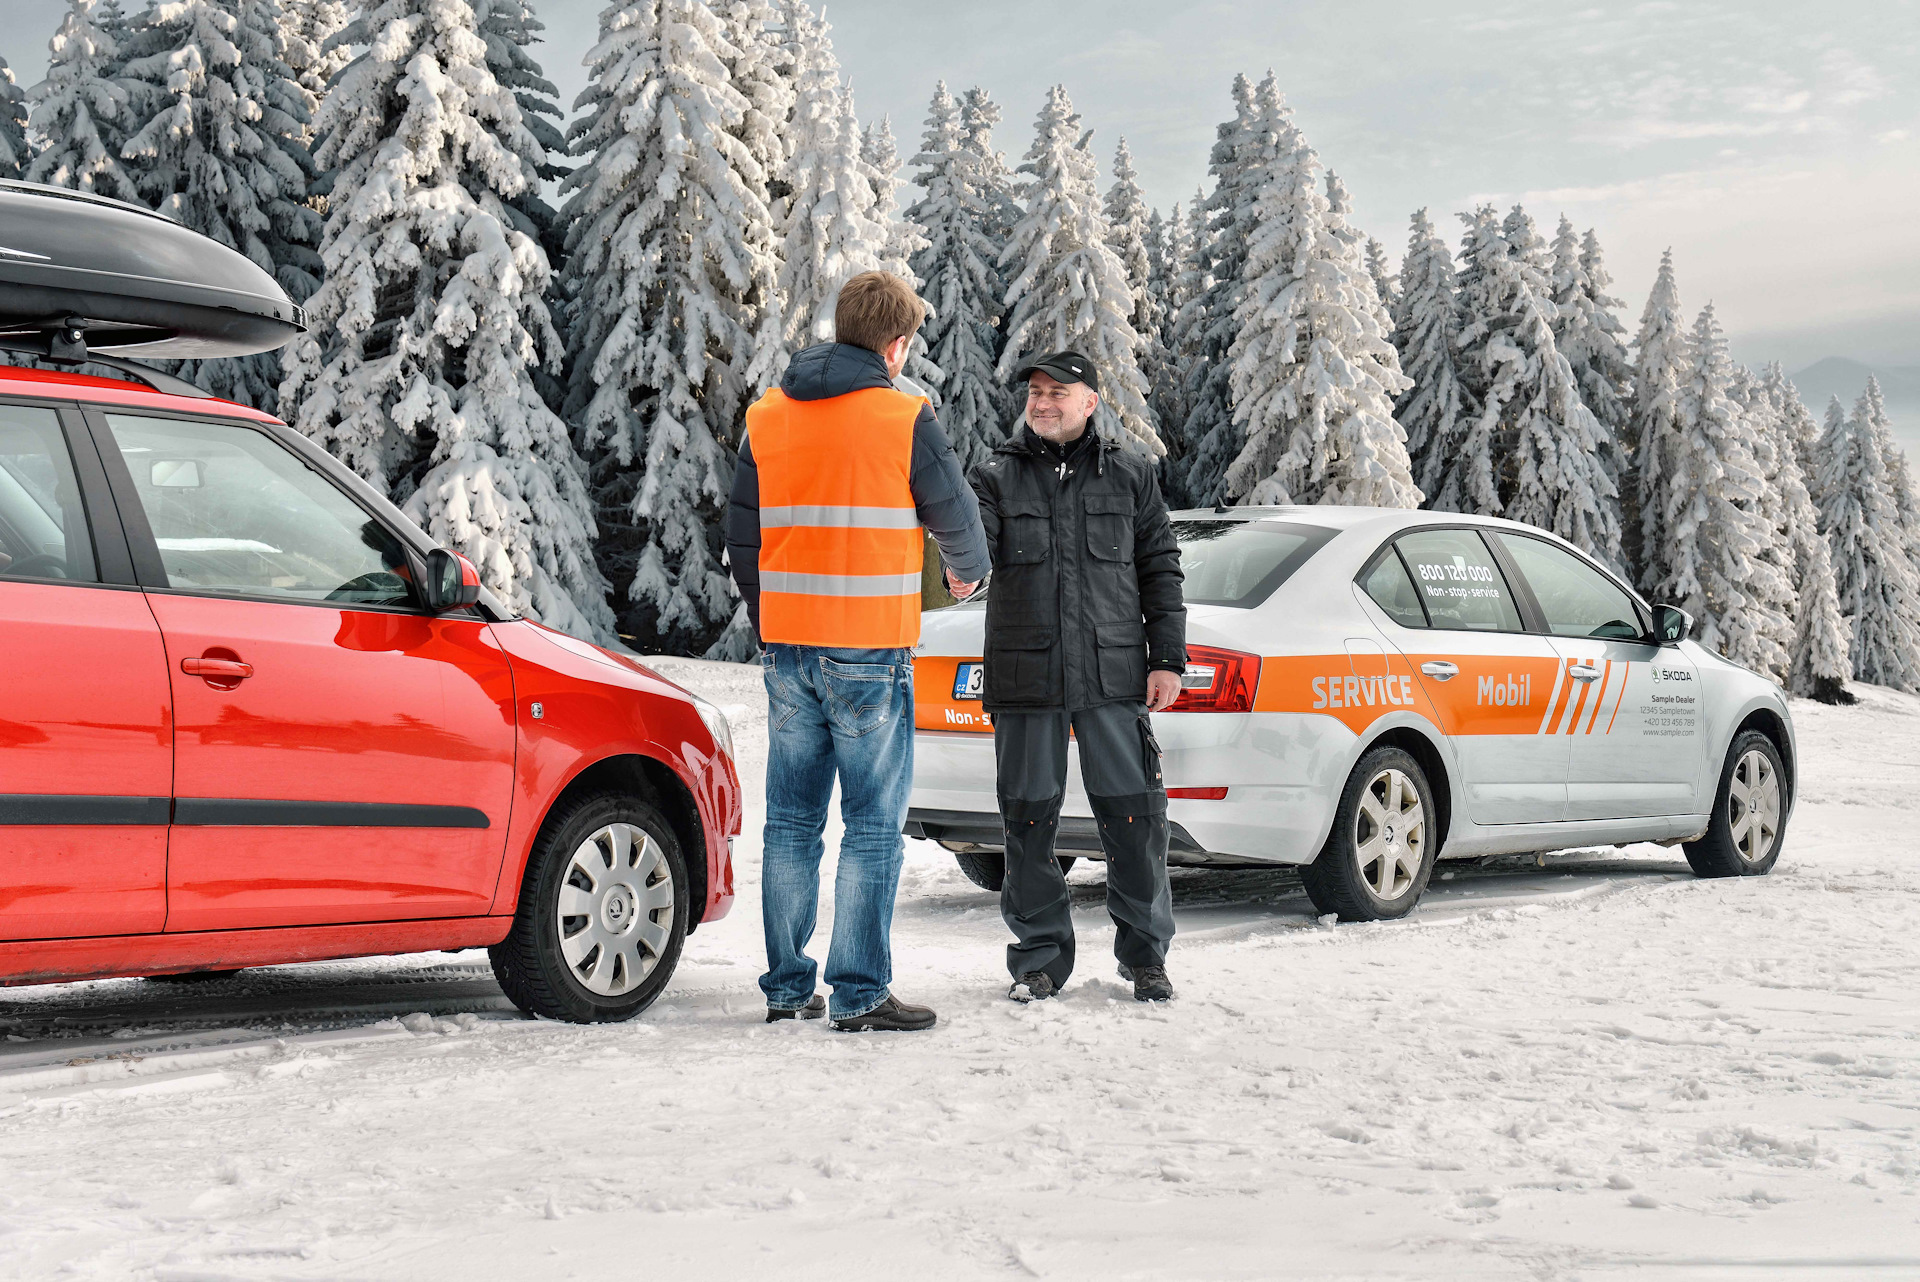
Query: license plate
[966,681]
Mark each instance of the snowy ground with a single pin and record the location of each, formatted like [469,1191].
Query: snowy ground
[1600,1068]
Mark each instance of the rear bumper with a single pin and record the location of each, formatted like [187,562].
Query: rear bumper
[1079,835]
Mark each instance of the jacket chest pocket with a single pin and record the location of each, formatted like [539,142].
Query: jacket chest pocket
[1110,527]
[1026,532]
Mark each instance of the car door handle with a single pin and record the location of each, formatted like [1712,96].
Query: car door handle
[217,669]
[1584,672]
[1440,669]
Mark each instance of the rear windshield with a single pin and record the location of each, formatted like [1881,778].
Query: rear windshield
[1242,562]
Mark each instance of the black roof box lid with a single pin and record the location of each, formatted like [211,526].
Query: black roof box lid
[142,284]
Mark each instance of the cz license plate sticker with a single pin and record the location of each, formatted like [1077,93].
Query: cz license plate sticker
[966,681]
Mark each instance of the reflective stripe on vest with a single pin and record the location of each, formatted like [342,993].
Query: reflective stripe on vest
[840,540]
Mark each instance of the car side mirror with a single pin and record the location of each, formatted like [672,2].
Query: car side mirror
[452,581]
[1671,624]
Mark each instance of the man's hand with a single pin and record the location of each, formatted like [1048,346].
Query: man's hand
[961,591]
[1163,688]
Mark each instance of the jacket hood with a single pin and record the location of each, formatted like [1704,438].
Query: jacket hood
[833,369]
[1027,441]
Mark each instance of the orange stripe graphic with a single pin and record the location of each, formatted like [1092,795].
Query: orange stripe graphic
[1553,700]
[1579,702]
[1600,699]
[1626,670]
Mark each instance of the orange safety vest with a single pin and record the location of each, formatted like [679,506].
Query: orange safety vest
[840,539]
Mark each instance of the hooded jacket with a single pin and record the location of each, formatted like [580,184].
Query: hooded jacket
[942,499]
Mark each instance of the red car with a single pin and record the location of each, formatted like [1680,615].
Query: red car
[250,714]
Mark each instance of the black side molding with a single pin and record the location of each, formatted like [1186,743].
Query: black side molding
[215,812]
[23,809]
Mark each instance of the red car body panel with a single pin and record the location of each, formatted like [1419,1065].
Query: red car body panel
[84,685]
[343,706]
[379,709]
[585,720]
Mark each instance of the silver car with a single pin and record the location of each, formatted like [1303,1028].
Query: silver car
[1371,690]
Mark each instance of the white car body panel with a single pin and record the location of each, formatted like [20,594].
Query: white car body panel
[1633,753]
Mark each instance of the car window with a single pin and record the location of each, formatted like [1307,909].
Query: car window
[235,511]
[43,528]
[1577,600]
[1242,562]
[1459,583]
[1387,583]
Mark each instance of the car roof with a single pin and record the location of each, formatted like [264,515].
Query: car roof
[61,385]
[1335,517]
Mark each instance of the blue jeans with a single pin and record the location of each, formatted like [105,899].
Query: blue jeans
[848,712]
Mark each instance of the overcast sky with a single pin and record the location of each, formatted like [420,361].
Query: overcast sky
[1775,146]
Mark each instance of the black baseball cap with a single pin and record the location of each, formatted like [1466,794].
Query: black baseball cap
[1068,367]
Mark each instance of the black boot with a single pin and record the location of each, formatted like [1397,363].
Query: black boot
[890,1016]
[1034,986]
[1150,983]
[814,1009]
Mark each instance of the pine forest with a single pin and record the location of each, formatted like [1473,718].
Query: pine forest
[537,326]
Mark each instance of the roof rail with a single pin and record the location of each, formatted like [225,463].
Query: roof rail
[66,344]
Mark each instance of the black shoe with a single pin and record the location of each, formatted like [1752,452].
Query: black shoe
[1150,983]
[1034,986]
[814,1009]
[890,1016]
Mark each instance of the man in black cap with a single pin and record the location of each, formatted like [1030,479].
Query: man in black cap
[1085,630]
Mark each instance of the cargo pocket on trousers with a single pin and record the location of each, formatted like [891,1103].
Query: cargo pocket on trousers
[1018,665]
[1150,754]
[1122,659]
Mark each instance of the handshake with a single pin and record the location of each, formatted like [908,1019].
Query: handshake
[961,591]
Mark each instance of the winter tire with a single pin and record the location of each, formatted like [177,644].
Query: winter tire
[987,869]
[1749,813]
[1380,853]
[602,915]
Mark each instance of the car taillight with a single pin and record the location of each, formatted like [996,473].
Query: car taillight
[1217,681]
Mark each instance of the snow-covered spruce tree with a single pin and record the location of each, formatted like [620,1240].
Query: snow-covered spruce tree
[1069,290]
[1386,283]
[1183,326]
[1873,406]
[81,112]
[509,29]
[961,282]
[1770,588]
[222,150]
[416,370]
[1167,251]
[828,230]
[1531,450]
[906,239]
[1876,582]
[306,27]
[675,324]
[1820,664]
[1127,221]
[1704,498]
[1662,366]
[14,153]
[1314,369]
[1426,332]
[1593,340]
[1242,160]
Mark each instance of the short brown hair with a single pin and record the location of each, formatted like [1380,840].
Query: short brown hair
[874,308]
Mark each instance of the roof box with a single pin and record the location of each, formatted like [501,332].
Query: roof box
[136,283]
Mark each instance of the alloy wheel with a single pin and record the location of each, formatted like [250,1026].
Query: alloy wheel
[615,909]
[1753,806]
[1390,834]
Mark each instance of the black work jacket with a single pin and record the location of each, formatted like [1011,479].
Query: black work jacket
[1086,591]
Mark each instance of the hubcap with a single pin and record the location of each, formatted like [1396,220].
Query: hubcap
[1753,806]
[616,909]
[1390,834]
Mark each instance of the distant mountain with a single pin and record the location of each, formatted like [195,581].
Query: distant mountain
[1838,376]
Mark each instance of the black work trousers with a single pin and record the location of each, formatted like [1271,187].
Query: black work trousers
[1120,766]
